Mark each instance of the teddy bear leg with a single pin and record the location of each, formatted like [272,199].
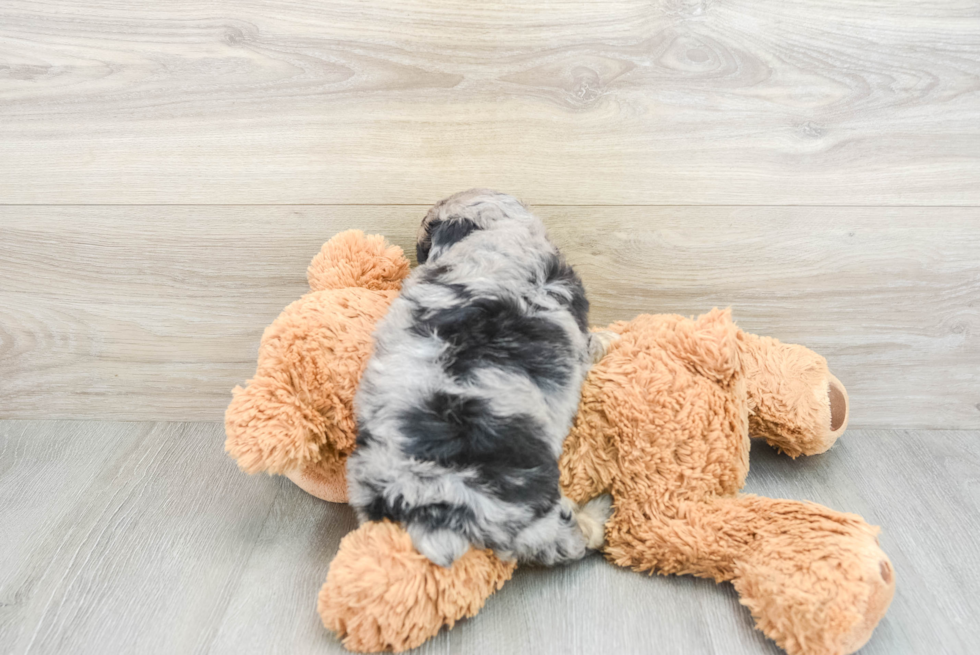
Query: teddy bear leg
[381,594]
[815,580]
[797,405]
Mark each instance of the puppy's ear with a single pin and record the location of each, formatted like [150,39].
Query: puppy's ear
[423,244]
[422,249]
[441,234]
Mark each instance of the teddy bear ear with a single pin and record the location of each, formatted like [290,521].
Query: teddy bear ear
[353,259]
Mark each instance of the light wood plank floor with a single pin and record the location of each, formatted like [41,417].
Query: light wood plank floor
[145,538]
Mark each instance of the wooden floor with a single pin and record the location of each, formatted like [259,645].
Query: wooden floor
[145,538]
[169,167]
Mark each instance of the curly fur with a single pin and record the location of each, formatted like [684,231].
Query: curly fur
[472,387]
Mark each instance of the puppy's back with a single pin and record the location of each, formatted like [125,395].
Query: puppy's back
[473,385]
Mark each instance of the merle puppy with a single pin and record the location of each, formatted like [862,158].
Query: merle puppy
[472,388]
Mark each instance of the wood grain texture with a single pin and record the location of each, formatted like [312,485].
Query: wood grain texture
[146,313]
[144,538]
[625,101]
[121,538]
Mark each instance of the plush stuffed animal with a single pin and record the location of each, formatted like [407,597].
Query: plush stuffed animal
[663,426]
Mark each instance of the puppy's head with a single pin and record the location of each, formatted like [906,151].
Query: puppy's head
[454,218]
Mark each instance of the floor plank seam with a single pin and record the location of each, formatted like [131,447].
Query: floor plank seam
[244,565]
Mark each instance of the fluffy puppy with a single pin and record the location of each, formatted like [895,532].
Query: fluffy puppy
[472,387]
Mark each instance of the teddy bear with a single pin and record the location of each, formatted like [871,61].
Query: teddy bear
[663,426]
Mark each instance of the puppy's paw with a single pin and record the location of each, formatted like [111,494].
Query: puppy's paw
[600,342]
[592,518]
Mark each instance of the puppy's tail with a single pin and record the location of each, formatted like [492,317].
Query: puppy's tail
[441,546]
[592,518]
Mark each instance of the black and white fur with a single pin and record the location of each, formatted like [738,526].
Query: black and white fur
[473,385]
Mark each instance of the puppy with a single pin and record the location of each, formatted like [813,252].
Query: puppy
[472,387]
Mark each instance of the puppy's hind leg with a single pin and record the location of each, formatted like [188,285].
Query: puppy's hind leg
[567,533]
[600,342]
[592,517]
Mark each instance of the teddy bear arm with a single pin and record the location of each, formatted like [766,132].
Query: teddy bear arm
[797,405]
[815,580]
[588,459]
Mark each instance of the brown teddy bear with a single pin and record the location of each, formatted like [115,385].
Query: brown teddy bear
[663,426]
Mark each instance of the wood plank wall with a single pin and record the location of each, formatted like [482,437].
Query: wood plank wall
[167,169]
